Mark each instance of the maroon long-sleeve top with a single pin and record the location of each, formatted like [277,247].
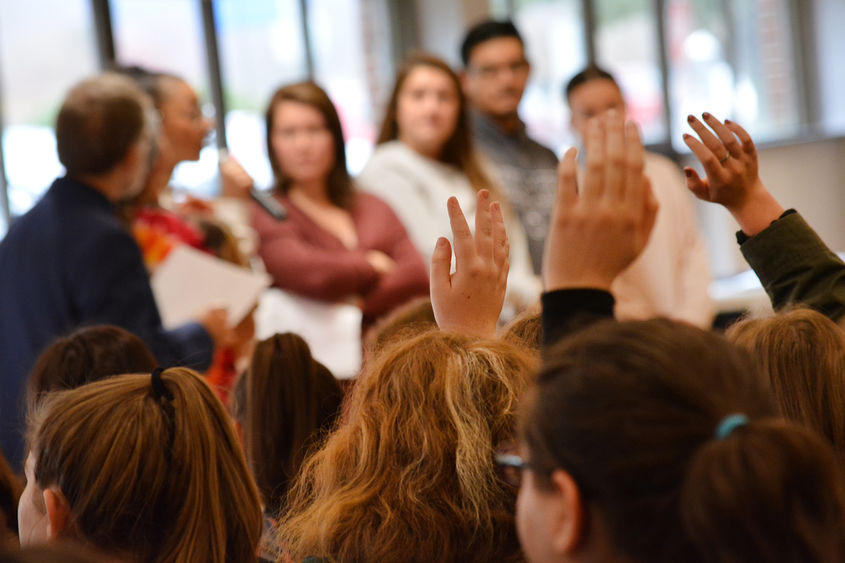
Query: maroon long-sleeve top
[304,258]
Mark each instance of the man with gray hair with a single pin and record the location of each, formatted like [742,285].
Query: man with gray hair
[70,261]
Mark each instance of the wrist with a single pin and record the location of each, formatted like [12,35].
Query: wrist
[757,211]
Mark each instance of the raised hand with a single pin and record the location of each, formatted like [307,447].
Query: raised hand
[727,153]
[470,300]
[598,230]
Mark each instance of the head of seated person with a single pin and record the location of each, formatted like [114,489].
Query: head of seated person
[104,135]
[656,441]
[87,354]
[408,473]
[305,143]
[285,402]
[526,330]
[592,93]
[410,319]
[803,354]
[141,467]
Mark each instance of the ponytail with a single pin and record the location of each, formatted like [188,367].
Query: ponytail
[150,466]
[768,492]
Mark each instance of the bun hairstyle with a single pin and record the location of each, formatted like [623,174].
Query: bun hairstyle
[150,467]
[408,473]
[631,411]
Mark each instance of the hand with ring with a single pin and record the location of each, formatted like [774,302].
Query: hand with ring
[729,158]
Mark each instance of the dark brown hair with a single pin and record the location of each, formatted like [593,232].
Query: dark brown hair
[589,74]
[291,399]
[630,411]
[10,491]
[458,150]
[340,186]
[99,122]
[155,473]
[803,354]
[88,354]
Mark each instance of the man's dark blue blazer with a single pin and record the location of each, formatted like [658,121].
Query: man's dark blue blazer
[70,262]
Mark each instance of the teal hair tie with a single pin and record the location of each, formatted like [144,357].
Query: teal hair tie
[729,424]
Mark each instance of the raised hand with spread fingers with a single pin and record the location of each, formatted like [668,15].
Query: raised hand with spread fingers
[469,301]
[729,158]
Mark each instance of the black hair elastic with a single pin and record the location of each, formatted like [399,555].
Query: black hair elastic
[159,389]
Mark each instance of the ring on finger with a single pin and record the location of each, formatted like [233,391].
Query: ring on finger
[725,158]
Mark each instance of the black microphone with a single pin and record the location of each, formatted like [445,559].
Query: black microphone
[268,203]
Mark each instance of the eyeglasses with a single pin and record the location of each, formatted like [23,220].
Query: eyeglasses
[510,468]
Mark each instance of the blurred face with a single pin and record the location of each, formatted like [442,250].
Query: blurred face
[302,143]
[592,99]
[32,512]
[533,509]
[183,127]
[427,110]
[496,76]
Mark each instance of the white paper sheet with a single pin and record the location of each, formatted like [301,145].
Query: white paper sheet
[189,282]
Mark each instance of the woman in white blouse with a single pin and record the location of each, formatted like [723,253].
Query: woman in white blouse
[425,155]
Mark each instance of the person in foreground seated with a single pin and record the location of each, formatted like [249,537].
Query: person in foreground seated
[408,474]
[289,400]
[803,354]
[88,354]
[142,467]
[656,441]
[69,261]
[671,277]
[653,440]
[792,262]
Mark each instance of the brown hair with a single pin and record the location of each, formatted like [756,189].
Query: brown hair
[99,122]
[803,354]
[340,189]
[155,474]
[87,354]
[409,470]
[410,319]
[458,150]
[290,400]
[526,330]
[631,411]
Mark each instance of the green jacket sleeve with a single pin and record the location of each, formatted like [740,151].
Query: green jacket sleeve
[795,266]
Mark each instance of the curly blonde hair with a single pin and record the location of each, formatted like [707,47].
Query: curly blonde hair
[409,473]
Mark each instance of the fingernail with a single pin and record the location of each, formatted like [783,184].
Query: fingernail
[706,115]
[727,121]
[441,242]
[690,118]
[688,172]
[687,136]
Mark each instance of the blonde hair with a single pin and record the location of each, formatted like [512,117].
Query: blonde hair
[410,468]
[161,479]
[802,353]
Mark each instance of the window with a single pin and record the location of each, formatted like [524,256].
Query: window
[627,46]
[554,43]
[40,59]
[353,63]
[261,48]
[734,62]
